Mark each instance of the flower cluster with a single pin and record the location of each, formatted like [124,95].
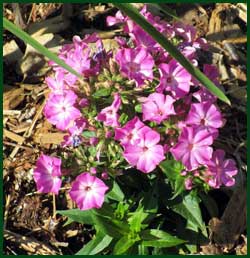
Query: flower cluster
[135,107]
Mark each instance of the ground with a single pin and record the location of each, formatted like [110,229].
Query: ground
[30,223]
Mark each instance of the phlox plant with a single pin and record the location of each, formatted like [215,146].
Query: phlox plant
[138,149]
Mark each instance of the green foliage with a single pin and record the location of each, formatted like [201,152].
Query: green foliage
[172,169]
[116,193]
[123,244]
[96,245]
[159,238]
[190,210]
[89,134]
[138,108]
[124,227]
[83,217]
[103,92]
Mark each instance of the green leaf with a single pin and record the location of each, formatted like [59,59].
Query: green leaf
[96,245]
[133,13]
[136,218]
[123,244]
[84,217]
[190,210]
[142,250]
[121,210]
[172,169]
[159,238]
[36,45]
[111,227]
[138,108]
[150,200]
[166,10]
[191,248]
[69,221]
[116,193]
[105,211]
[103,92]
[88,134]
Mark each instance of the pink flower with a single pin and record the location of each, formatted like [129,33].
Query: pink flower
[188,183]
[146,155]
[157,107]
[109,114]
[188,32]
[111,20]
[46,174]
[130,133]
[205,115]
[193,148]
[140,37]
[56,84]
[88,191]
[83,102]
[221,171]
[212,72]
[60,110]
[135,63]
[79,60]
[93,141]
[74,138]
[174,78]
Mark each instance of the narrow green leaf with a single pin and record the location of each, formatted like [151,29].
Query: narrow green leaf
[36,45]
[133,13]
[165,9]
[136,218]
[110,227]
[96,245]
[142,250]
[159,238]
[123,244]
[84,217]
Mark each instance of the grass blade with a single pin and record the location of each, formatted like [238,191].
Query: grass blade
[133,13]
[36,45]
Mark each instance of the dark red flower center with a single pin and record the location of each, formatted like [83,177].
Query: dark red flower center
[203,121]
[87,188]
[190,146]
[169,79]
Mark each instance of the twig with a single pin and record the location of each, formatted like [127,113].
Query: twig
[7,204]
[39,112]
[54,205]
[31,13]
[11,112]
[29,244]
[61,189]
[18,145]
